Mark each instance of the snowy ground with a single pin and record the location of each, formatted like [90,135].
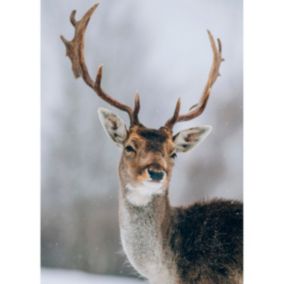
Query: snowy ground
[56,276]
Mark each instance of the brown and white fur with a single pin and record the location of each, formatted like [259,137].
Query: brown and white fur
[198,244]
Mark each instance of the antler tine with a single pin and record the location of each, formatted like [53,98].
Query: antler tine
[72,18]
[198,108]
[170,123]
[136,109]
[75,51]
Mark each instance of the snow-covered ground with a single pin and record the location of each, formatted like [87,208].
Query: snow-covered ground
[56,276]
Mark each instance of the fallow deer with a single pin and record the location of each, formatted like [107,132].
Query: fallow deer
[201,243]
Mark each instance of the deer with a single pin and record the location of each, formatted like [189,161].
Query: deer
[200,243]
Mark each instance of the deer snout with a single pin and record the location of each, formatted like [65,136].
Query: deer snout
[156,173]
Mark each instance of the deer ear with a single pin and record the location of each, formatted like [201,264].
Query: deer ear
[113,125]
[189,138]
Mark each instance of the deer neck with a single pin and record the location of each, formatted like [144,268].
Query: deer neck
[143,232]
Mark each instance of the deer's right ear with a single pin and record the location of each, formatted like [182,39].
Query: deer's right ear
[113,125]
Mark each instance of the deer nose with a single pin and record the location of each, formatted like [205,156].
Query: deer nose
[155,175]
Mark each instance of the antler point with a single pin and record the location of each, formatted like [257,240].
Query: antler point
[209,34]
[95,6]
[100,70]
[137,98]
[72,18]
[66,43]
[63,38]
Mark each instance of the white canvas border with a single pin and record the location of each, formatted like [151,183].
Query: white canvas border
[20,141]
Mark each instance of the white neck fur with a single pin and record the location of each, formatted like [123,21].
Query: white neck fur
[142,194]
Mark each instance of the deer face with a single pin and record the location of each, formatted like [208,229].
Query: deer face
[148,154]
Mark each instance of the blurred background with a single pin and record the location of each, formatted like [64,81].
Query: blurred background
[160,49]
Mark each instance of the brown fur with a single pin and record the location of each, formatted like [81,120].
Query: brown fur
[202,243]
[153,147]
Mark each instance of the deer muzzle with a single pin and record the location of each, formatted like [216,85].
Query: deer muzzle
[155,175]
[155,172]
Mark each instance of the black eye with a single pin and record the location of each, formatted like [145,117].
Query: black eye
[129,149]
[173,155]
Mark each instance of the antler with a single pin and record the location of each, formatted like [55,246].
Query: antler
[198,108]
[75,51]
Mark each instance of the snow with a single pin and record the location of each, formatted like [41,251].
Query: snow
[58,276]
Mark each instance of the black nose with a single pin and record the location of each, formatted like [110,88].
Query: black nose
[156,175]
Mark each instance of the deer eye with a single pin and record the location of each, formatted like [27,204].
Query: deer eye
[130,149]
[173,155]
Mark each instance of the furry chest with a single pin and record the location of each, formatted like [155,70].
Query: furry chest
[141,239]
[142,248]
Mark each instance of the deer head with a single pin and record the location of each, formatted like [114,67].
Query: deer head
[148,154]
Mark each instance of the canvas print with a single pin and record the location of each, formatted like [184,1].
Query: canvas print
[142,142]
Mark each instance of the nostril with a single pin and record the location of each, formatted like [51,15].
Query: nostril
[156,175]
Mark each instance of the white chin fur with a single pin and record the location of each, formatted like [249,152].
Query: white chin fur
[142,194]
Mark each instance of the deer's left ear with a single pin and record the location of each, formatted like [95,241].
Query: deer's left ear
[113,125]
[189,138]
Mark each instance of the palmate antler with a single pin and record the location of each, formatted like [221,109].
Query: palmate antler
[197,109]
[75,51]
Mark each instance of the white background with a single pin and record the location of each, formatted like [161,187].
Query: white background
[19,118]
